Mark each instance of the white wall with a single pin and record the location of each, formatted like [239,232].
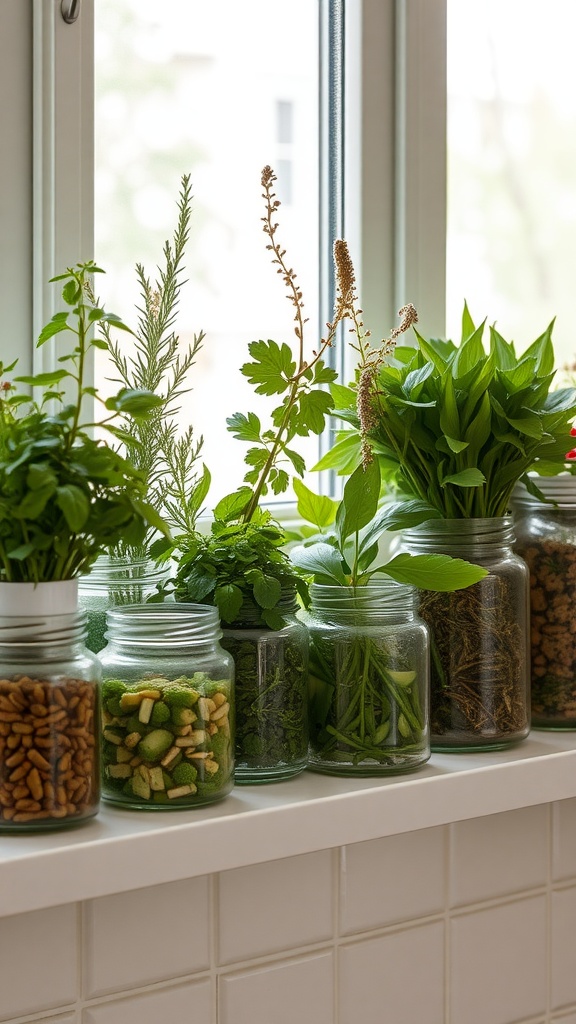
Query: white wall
[15,178]
[471,923]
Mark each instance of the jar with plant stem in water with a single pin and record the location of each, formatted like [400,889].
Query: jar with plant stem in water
[114,581]
[49,710]
[546,540]
[368,680]
[167,708]
[271,702]
[480,672]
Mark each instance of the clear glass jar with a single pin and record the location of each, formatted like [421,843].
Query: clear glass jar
[271,696]
[49,723]
[368,680]
[546,540]
[167,708]
[112,582]
[480,678]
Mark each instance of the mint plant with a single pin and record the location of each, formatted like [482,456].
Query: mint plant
[65,496]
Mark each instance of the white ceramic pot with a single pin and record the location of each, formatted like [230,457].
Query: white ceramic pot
[58,597]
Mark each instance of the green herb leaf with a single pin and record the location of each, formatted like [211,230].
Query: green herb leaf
[245,428]
[320,560]
[44,379]
[74,504]
[359,501]
[272,368]
[433,572]
[233,505]
[314,508]
[466,478]
[267,591]
[228,599]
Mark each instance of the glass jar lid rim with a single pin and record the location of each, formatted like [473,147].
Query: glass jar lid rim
[560,489]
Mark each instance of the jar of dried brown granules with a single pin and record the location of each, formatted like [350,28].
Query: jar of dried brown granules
[49,717]
[546,539]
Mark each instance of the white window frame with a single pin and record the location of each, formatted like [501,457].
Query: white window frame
[393,201]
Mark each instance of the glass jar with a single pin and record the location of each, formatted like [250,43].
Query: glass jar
[49,723]
[546,540]
[167,708]
[112,582]
[480,679]
[271,698]
[368,680]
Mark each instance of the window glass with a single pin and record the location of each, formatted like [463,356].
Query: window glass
[218,91]
[512,167]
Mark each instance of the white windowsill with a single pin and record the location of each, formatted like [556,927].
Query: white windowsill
[120,850]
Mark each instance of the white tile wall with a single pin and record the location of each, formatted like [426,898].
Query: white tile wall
[397,977]
[38,961]
[277,906]
[499,854]
[468,923]
[388,880]
[499,963]
[280,993]
[136,938]
[182,1004]
[563,948]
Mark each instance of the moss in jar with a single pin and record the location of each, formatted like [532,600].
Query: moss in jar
[478,664]
[166,743]
[552,567]
[271,701]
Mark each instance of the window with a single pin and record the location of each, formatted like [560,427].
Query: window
[382,110]
[511,160]
[214,91]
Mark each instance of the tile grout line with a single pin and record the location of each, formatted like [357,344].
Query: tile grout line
[338,875]
[549,914]
[447,924]
[214,942]
[80,981]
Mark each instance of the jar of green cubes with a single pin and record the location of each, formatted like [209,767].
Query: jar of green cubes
[167,708]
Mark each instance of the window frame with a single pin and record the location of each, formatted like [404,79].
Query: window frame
[391,195]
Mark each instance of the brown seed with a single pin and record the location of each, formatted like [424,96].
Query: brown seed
[12,742]
[28,805]
[39,710]
[35,784]
[15,759]
[39,695]
[59,698]
[61,796]
[20,791]
[22,729]
[20,772]
[36,758]
[8,813]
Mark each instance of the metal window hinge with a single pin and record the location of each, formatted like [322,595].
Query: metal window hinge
[70,9]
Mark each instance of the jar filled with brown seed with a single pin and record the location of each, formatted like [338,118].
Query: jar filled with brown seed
[546,539]
[49,723]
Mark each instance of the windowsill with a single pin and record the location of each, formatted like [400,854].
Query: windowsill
[119,850]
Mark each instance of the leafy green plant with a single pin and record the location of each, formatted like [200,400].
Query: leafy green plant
[367,685]
[239,564]
[244,536]
[156,362]
[347,557]
[64,496]
[460,425]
